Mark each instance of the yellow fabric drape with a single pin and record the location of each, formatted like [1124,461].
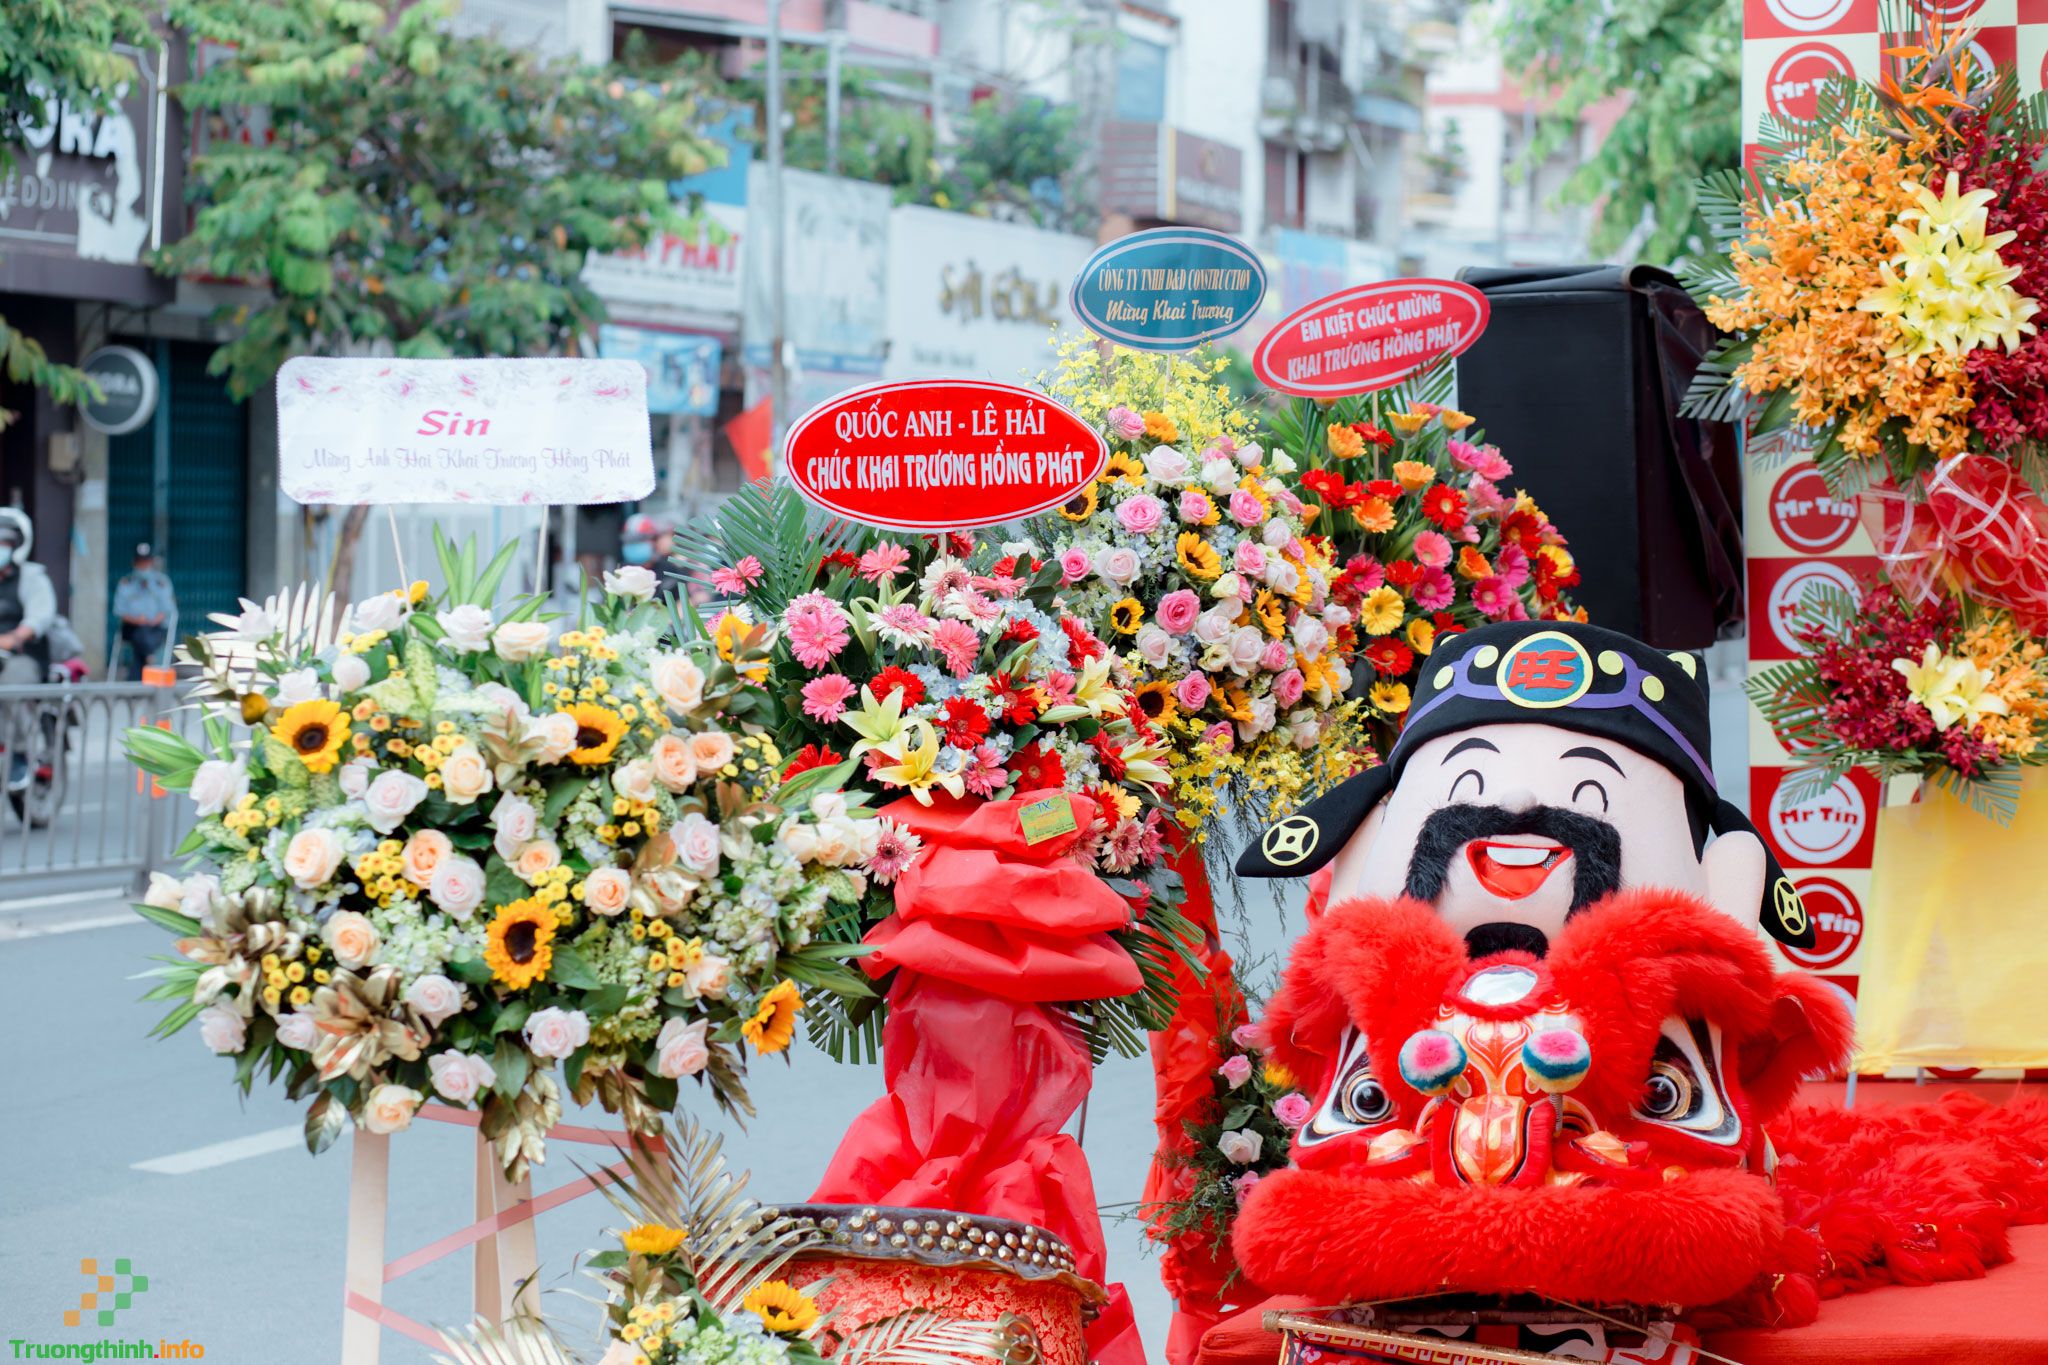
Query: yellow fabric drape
[1955,951]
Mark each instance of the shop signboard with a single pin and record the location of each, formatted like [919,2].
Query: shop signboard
[835,254]
[975,298]
[693,272]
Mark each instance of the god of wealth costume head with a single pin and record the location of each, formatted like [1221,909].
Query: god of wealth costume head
[1544,766]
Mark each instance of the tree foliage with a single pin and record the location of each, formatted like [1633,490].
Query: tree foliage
[1679,65]
[429,192]
[54,53]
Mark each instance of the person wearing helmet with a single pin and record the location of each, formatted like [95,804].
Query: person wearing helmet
[28,602]
[650,541]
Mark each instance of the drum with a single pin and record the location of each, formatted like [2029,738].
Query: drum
[883,1261]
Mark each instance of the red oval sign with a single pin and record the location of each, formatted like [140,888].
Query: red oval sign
[1837,925]
[1371,337]
[942,454]
[1807,515]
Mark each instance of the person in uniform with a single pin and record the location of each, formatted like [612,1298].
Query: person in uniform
[144,602]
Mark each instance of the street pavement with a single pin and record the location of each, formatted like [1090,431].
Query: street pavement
[114,1145]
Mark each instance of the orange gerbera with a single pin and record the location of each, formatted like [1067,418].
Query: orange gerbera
[1375,515]
[1414,475]
[1345,443]
[1472,564]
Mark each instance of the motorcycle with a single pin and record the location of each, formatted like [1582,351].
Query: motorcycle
[37,740]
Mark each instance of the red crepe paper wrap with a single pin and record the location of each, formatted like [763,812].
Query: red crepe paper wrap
[989,929]
[1979,529]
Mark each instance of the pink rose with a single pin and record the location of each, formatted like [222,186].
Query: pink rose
[1178,610]
[1247,645]
[556,1032]
[1119,564]
[1241,1146]
[696,844]
[457,886]
[461,1076]
[1241,1188]
[436,998]
[1192,692]
[1275,657]
[680,1050]
[1155,646]
[1248,1035]
[1251,557]
[1236,1070]
[1126,423]
[1219,737]
[1195,505]
[1292,1109]
[312,856]
[1287,688]
[1246,509]
[1142,515]
[1214,625]
[1073,565]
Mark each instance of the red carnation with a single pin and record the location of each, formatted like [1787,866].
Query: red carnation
[892,679]
[1038,768]
[964,722]
[809,757]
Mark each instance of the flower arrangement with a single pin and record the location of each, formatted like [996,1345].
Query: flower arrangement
[1935,690]
[931,669]
[1190,554]
[1406,496]
[1882,284]
[446,851]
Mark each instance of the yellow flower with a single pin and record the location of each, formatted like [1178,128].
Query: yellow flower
[1126,616]
[1081,506]
[1345,443]
[1196,557]
[782,1307]
[1414,475]
[1407,423]
[1421,636]
[774,1020]
[315,731]
[598,732]
[520,946]
[1155,702]
[1278,1076]
[1951,689]
[1160,427]
[1389,698]
[1272,616]
[1381,611]
[1454,420]
[1121,468]
[652,1239]
[1946,288]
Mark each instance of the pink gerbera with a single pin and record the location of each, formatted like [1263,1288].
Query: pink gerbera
[825,697]
[1494,598]
[1432,549]
[816,635]
[903,624]
[958,645]
[883,563]
[895,849]
[735,580]
[983,772]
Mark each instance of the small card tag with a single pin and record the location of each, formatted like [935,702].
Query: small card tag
[1046,818]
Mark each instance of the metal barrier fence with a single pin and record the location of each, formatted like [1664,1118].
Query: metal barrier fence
[76,813]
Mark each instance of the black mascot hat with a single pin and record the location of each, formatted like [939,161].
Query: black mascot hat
[1564,673]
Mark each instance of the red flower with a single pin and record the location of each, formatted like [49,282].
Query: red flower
[1389,657]
[1108,755]
[809,757]
[1018,705]
[1038,768]
[1385,488]
[1522,528]
[1373,434]
[1020,630]
[964,722]
[1328,486]
[1084,645]
[839,559]
[1404,574]
[1446,624]
[1105,803]
[891,679]
[1445,506]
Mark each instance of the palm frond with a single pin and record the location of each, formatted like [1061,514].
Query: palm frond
[1714,394]
[1814,781]
[923,1337]
[772,523]
[1721,197]
[521,1341]
[1994,793]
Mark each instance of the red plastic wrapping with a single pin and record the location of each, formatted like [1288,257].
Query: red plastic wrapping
[1980,529]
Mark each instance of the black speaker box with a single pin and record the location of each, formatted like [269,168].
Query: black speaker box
[1577,379]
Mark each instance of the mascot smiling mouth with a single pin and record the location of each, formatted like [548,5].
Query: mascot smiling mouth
[1512,868]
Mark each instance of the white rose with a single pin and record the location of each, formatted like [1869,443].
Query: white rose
[635,780]
[218,785]
[467,627]
[1282,463]
[678,681]
[1263,710]
[436,998]
[350,672]
[511,715]
[1241,1146]
[458,887]
[536,860]
[382,612]
[708,977]
[1281,576]
[222,1029]
[196,895]
[1304,733]
[516,822]
[391,797]
[1214,625]
[390,1108]
[1249,453]
[352,936]
[1118,563]
[312,856]
[461,1076]
[837,841]
[354,777]
[1155,646]
[801,840]
[556,1032]
[634,582]
[517,642]
[1310,635]
[1246,645]
[298,1031]
[301,684]
[556,732]
[696,841]
[1219,475]
[828,806]
[465,775]
[165,893]
[1168,467]
[607,890]
[1274,535]
[680,1050]
[1336,616]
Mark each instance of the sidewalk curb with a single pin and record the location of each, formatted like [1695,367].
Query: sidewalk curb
[42,916]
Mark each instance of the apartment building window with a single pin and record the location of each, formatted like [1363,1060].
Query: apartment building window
[1140,80]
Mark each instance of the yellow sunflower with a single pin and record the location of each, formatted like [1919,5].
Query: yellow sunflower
[1271,614]
[521,947]
[1160,427]
[1381,611]
[1123,469]
[1156,703]
[315,731]
[1126,616]
[1389,698]
[774,1021]
[1233,702]
[598,732]
[781,1306]
[651,1239]
[1196,556]
[1081,506]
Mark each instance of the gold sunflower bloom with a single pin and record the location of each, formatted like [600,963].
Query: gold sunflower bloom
[1126,616]
[652,1239]
[782,1307]
[1160,427]
[1196,556]
[774,1022]
[1123,469]
[521,948]
[1272,616]
[1081,506]
[1156,703]
[315,731]
[598,732]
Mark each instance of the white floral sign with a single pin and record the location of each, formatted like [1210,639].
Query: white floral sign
[487,431]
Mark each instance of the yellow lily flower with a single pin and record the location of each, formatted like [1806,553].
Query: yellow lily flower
[916,752]
[877,723]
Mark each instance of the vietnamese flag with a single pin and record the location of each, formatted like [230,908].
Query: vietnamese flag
[752,434]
